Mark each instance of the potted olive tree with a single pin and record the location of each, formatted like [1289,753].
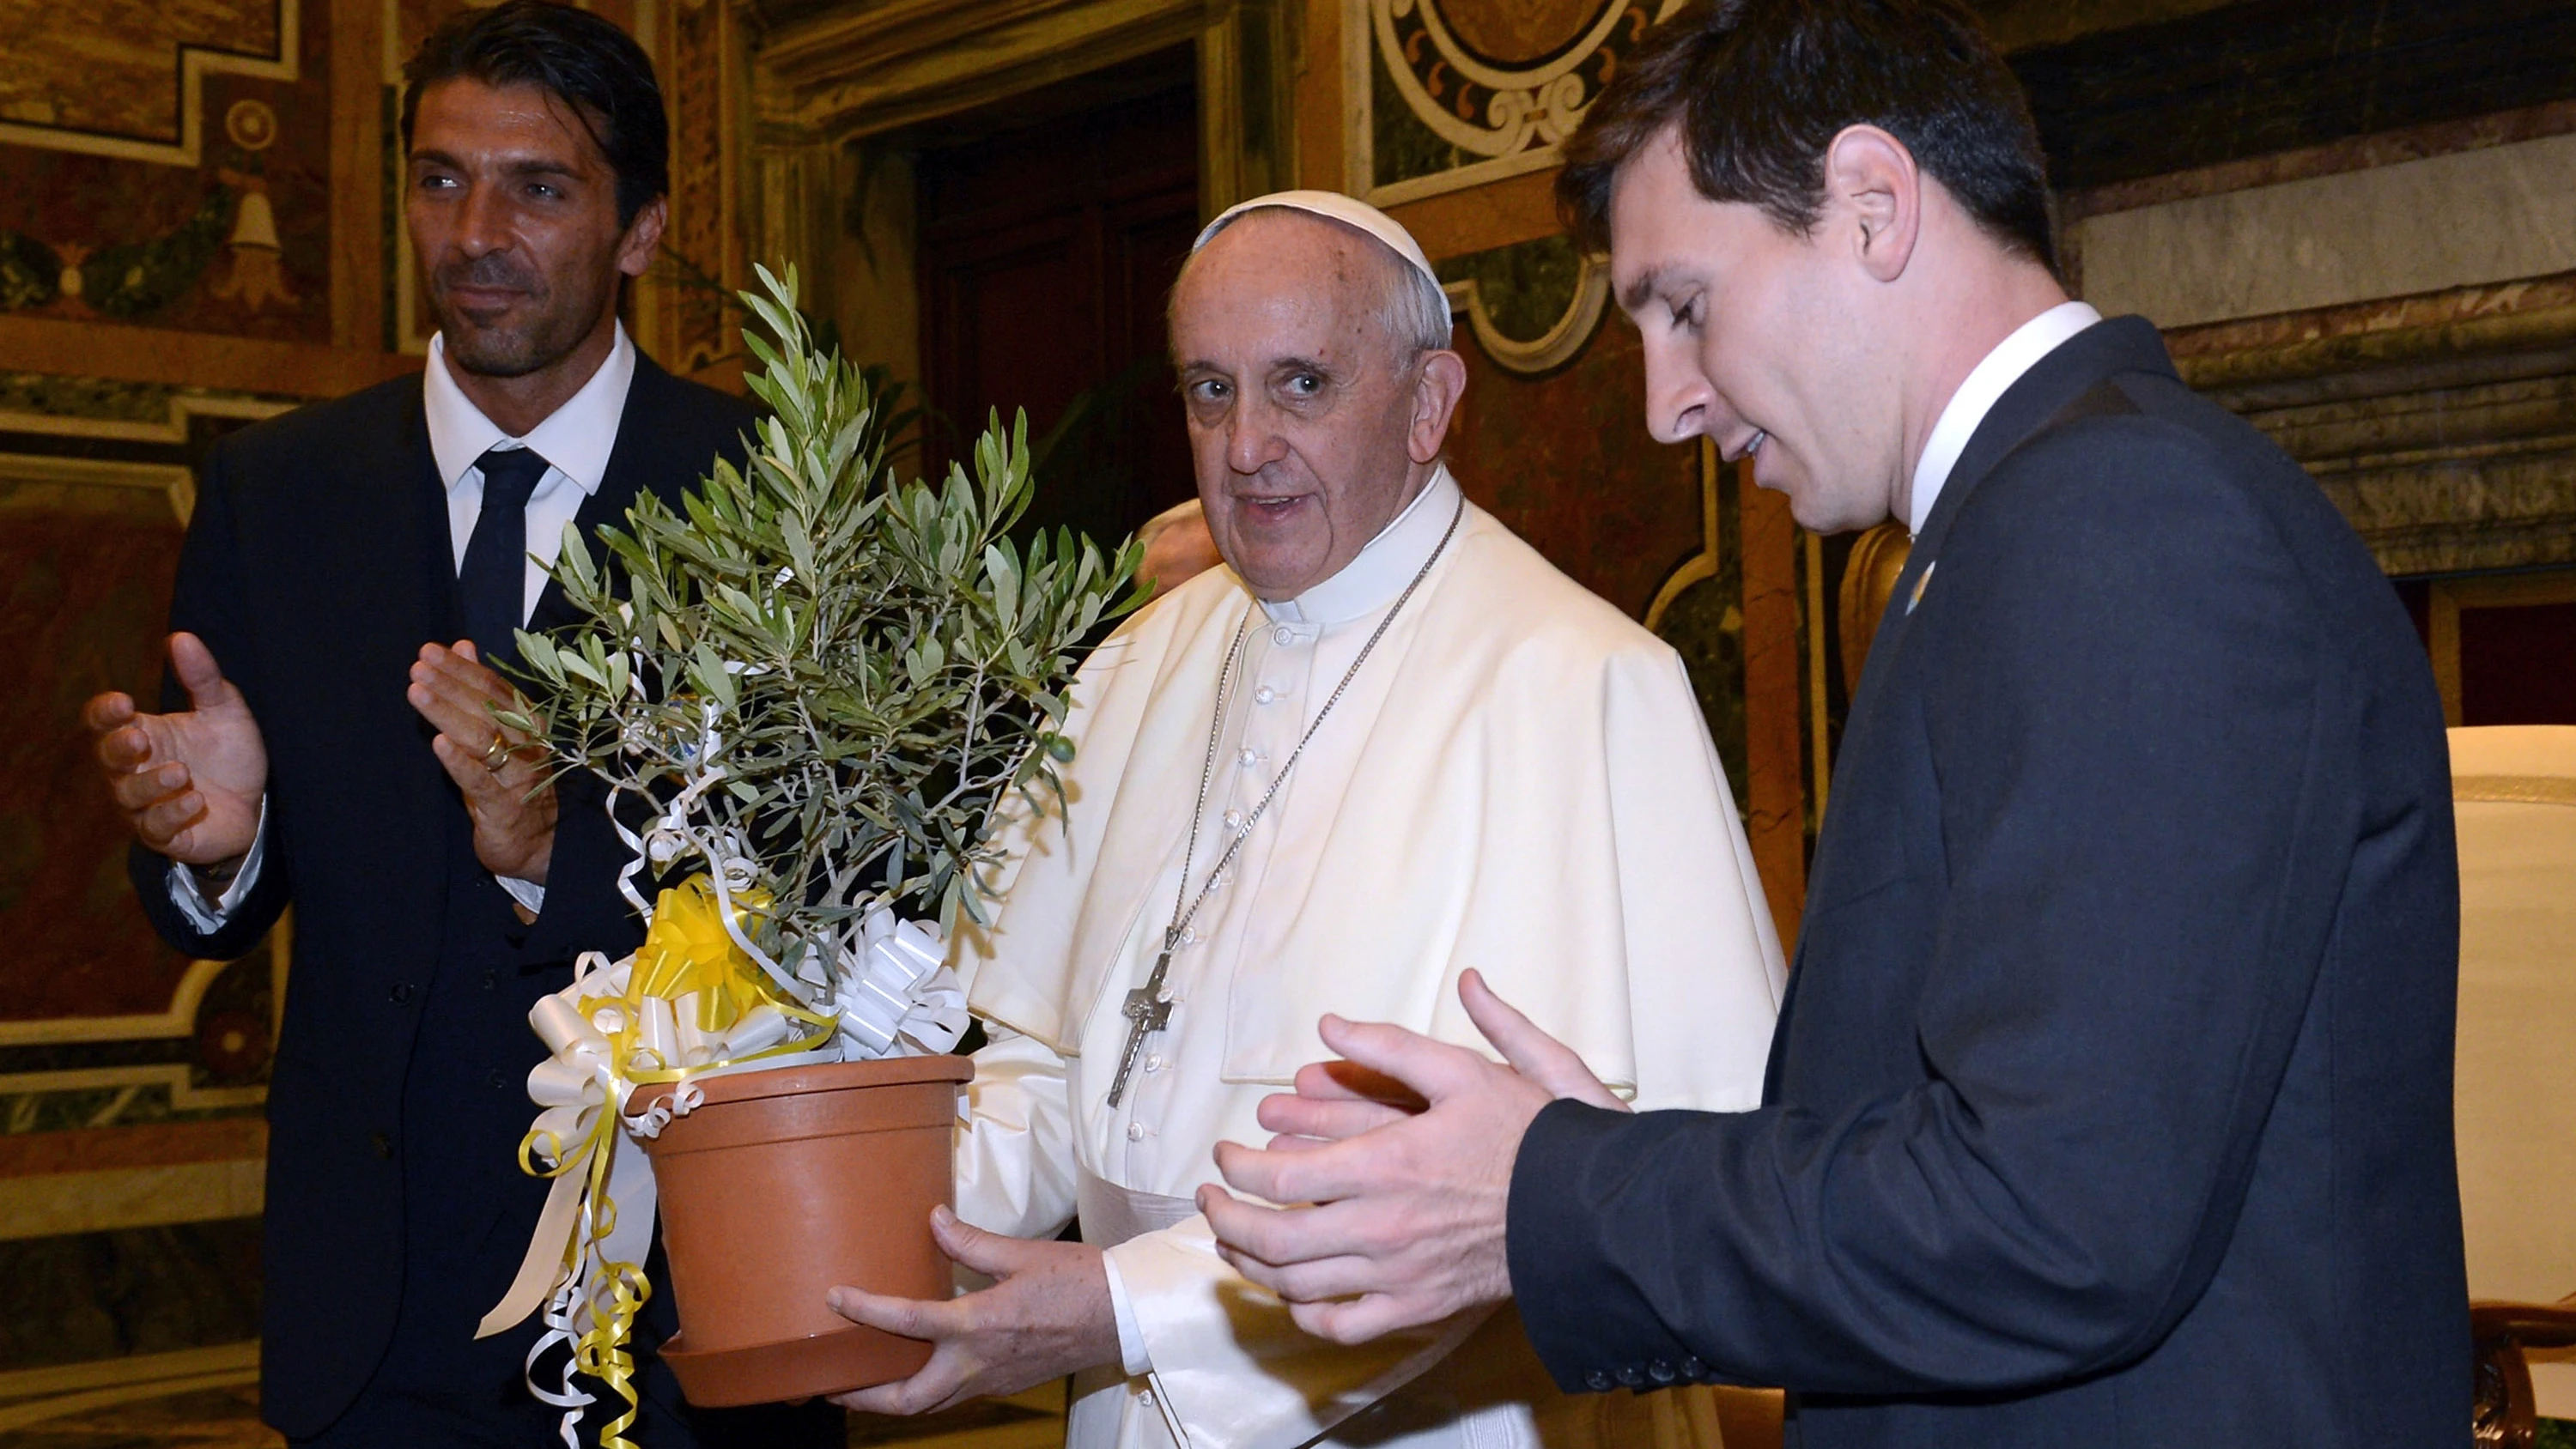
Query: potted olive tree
[806,690]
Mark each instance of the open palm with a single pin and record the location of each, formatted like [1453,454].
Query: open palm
[190,782]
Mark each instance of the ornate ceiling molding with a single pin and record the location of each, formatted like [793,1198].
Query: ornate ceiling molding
[2443,425]
[847,73]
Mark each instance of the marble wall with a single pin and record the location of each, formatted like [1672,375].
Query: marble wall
[2472,217]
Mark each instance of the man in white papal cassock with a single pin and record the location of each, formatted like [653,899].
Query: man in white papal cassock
[1387,744]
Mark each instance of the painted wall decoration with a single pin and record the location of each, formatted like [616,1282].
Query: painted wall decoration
[167,165]
[126,78]
[88,570]
[100,1023]
[1532,306]
[1452,93]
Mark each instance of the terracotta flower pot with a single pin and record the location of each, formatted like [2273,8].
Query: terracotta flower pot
[783,1184]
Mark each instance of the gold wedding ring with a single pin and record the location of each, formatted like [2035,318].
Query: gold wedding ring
[498,754]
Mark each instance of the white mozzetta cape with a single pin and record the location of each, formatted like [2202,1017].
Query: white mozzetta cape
[1538,799]
[1526,787]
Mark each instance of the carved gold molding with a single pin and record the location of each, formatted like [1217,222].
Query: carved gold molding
[1559,344]
[845,74]
[37,480]
[172,429]
[826,78]
[1703,564]
[2447,597]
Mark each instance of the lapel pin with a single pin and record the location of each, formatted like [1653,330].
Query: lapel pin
[1920,580]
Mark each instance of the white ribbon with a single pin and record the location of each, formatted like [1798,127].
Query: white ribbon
[895,990]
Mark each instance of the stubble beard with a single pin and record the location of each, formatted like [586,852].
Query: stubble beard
[548,329]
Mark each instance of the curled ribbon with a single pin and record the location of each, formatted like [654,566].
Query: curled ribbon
[696,1000]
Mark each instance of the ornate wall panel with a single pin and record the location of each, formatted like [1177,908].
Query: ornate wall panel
[1453,93]
[167,166]
[1531,306]
[1564,459]
[127,78]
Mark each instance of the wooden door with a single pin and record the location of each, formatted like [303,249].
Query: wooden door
[1047,256]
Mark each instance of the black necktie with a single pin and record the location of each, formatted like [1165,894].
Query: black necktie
[494,578]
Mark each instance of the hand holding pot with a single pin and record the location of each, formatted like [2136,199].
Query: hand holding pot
[1047,1315]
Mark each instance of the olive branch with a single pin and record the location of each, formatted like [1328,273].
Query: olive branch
[837,675]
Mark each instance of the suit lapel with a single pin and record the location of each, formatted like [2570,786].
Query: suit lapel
[379,533]
[2122,344]
[638,462]
[375,537]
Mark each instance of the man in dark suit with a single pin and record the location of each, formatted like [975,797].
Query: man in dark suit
[322,748]
[2110,1102]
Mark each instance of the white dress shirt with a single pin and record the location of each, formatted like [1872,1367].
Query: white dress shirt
[1985,386]
[575,440]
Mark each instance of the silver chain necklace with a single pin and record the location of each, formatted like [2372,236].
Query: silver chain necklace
[1146,1011]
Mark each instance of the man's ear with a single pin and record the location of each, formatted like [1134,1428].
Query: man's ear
[643,234]
[1873,200]
[1435,402]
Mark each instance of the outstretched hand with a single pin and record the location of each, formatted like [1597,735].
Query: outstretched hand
[500,771]
[1405,1223]
[189,783]
[1047,1315]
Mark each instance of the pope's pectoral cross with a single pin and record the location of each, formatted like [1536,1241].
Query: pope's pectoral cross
[1147,1013]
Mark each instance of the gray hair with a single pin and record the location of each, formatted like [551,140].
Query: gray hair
[1412,308]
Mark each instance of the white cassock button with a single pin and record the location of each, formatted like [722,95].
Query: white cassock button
[1249,758]
[1154,1063]
[1264,695]
[1135,1131]
[1234,820]
[1284,635]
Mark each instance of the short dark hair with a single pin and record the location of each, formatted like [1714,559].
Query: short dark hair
[582,59]
[1758,89]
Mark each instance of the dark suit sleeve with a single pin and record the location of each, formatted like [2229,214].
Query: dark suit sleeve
[2127,697]
[207,600]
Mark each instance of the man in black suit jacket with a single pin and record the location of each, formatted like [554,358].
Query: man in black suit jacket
[322,749]
[2110,1102]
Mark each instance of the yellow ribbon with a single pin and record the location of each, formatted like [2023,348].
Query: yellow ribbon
[689,1002]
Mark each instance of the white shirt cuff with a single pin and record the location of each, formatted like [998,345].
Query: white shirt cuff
[191,902]
[1131,1337]
[526,893]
